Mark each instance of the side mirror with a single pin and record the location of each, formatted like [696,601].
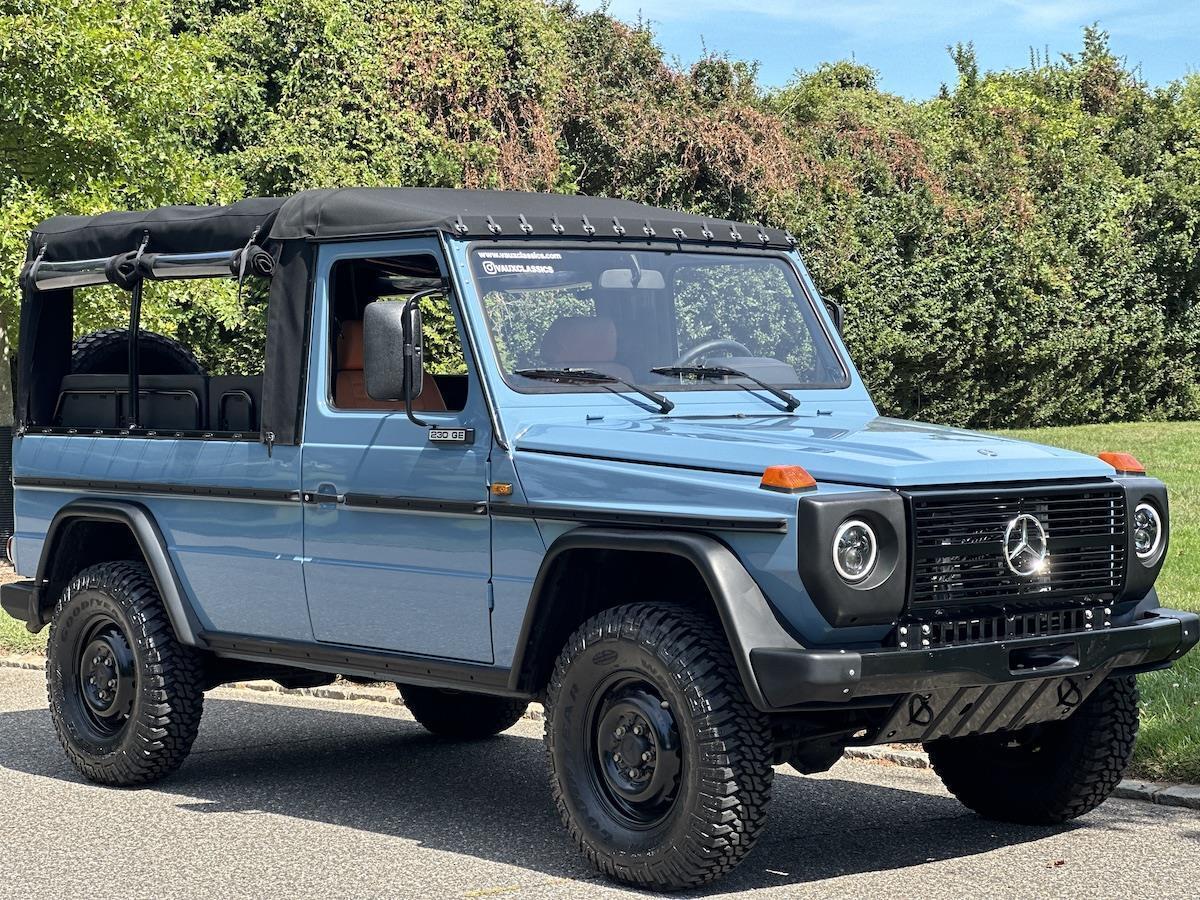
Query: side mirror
[837,312]
[393,350]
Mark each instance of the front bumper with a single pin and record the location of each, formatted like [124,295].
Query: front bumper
[792,677]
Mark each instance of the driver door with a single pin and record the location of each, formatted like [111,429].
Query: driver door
[396,534]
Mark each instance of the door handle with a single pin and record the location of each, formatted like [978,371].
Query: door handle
[326,494]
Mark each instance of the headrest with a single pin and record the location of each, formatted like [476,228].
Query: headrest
[350,346]
[573,339]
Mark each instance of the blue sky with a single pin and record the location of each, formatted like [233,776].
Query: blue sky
[906,41]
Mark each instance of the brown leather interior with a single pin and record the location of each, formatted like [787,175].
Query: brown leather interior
[584,342]
[350,386]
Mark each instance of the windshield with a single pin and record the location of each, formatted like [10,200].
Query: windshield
[624,313]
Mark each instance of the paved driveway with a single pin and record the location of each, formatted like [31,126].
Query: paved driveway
[290,797]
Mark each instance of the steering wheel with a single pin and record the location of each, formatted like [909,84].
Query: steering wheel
[708,348]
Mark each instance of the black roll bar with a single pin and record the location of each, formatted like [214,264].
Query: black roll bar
[53,276]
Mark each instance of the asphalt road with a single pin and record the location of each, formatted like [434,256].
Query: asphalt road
[291,797]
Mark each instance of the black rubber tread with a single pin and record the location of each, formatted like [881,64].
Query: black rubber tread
[106,352]
[731,740]
[461,715]
[1078,763]
[170,698]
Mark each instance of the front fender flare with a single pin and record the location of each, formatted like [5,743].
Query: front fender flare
[149,538]
[746,617]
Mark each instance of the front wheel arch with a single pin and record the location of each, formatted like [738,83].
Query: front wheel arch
[735,599]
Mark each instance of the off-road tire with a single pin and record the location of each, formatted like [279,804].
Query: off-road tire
[107,353]
[165,696]
[723,748]
[461,715]
[1063,770]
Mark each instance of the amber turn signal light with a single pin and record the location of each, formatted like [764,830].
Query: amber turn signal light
[787,479]
[1125,463]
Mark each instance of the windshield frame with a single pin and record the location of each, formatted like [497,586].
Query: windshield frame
[526,386]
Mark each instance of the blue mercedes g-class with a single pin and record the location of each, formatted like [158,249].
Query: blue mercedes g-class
[500,447]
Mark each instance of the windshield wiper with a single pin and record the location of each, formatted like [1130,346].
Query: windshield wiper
[591,376]
[783,396]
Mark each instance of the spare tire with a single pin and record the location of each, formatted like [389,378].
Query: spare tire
[107,353]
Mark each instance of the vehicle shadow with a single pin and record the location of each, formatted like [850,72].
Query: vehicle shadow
[490,799]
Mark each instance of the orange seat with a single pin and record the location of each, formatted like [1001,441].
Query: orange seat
[350,385]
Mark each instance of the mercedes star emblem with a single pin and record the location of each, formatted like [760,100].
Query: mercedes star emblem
[1025,547]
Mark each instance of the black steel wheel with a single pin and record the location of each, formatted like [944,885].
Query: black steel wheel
[660,766]
[636,748]
[1048,773]
[107,676]
[125,696]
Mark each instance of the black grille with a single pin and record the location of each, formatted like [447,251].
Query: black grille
[958,547]
[918,635]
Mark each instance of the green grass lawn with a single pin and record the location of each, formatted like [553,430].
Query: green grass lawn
[1169,746]
[15,639]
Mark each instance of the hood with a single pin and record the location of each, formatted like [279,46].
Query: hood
[841,447]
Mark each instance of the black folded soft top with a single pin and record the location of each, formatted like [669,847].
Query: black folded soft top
[345,213]
[289,230]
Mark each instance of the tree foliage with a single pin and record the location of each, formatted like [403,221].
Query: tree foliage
[1022,249]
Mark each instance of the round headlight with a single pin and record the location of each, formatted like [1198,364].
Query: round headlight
[854,550]
[1147,530]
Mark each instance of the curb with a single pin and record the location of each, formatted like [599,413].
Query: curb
[909,759]
[23,662]
[1179,795]
[349,692]
[1185,795]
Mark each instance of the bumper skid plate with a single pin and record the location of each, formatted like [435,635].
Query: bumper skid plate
[929,715]
[1016,673]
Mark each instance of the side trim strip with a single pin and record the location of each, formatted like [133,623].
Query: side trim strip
[413,504]
[653,520]
[160,434]
[639,462]
[381,665]
[90,485]
[582,515]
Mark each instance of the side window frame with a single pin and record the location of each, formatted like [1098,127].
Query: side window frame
[322,325]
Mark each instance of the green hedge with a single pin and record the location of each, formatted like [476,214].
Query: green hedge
[1022,249]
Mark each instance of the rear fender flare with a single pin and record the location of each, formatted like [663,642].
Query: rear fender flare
[140,521]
